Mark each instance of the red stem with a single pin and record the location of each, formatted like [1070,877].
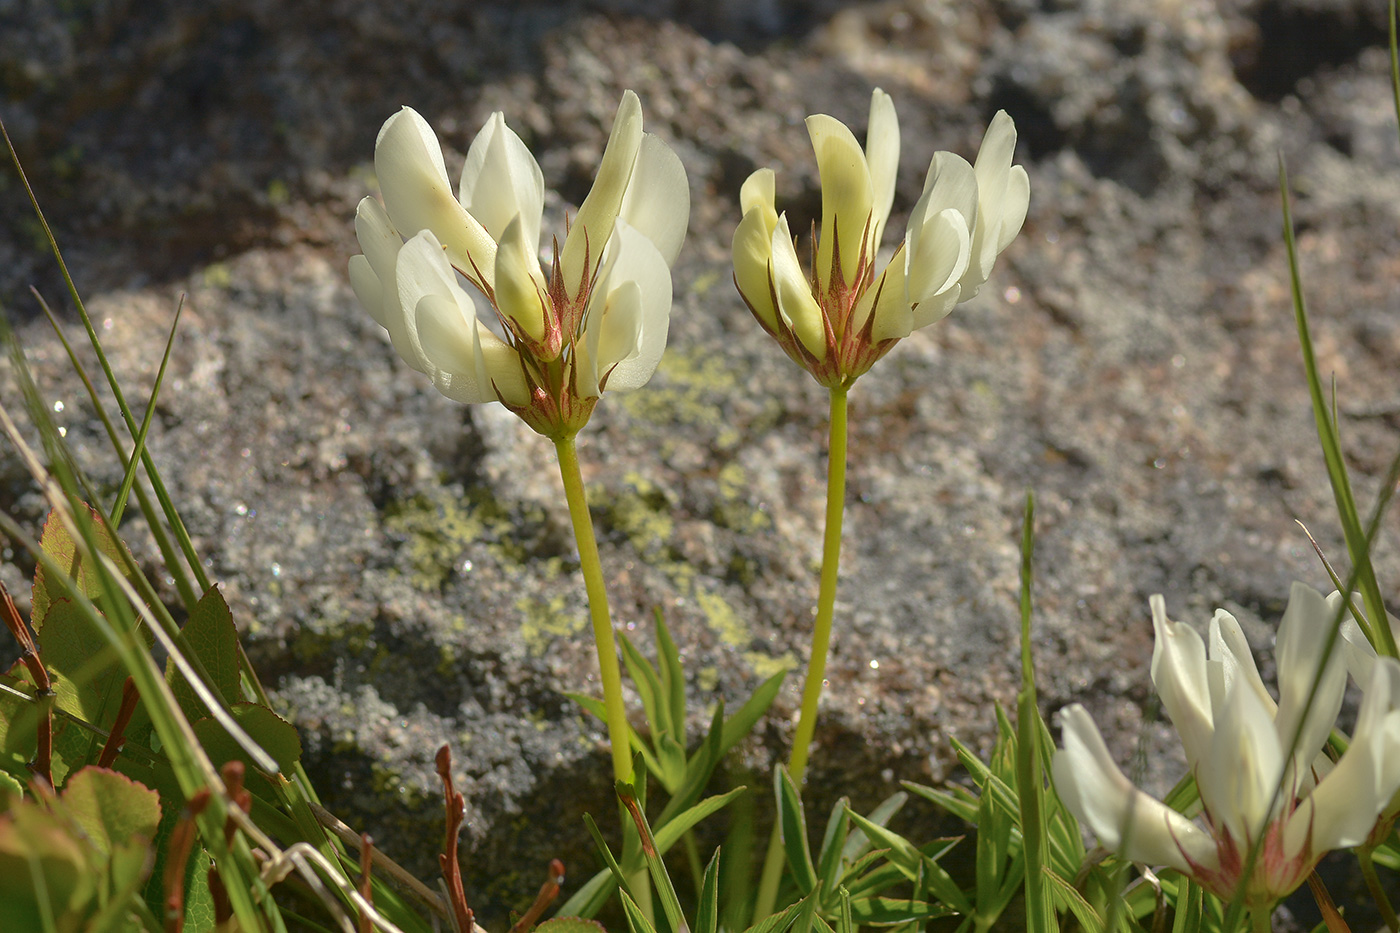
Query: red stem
[117,737]
[42,766]
[451,869]
[177,857]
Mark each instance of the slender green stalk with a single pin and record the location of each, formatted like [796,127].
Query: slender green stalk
[821,639]
[608,668]
[1040,917]
[1373,884]
[1259,919]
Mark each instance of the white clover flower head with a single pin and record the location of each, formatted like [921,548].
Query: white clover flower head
[839,320]
[1294,806]
[1362,661]
[597,321]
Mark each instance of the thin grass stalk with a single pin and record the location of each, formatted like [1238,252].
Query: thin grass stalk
[139,445]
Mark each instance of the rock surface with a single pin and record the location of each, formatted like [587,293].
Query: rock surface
[402,567]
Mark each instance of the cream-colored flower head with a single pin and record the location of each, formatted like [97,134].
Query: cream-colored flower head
[1258,764]
[597,321]
[839,319]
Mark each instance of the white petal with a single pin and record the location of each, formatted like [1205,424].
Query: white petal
[934,263]
[1124,818]
[413,180]
[1003,197]
[894,318]
[1229,646]
[520,289]
[1343,808]
[847,196]
[950,183]
[657,201]
[631,343]
[422,270]
[751,251]
[1179,673]
[882,155]
[379,241]
[796,306]
[451,344]
[1302,640]
[758,190]
[501,181]
[593,226]
[368,288]
[1239,774]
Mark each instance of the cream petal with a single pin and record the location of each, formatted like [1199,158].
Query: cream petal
[933,266]
[451,343]
[882,156]
[1123,818]
[751,251]
[422,270]
[1302,642]
[1003,198]
[1241,771]
[615,338]
[520,289]
[758,191]
[593,226]
[632,350]
[657,201]
[799,311]
[379,241]
[1343,808]
[847,195]
[1229,646]
[368,289]
[501,181]
[1179,674]
[888,297]
[412,178]
[950,183]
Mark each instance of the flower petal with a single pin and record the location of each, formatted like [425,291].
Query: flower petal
[635,314]
[758,191]
[882,157]
[1342,810]
[657,201]
[593,226]
[797,308]
[1179,673]
[934,262]
[1241,771]
[501,181]
[889,300]
[1123,818]
[417,195]
[1003,197]
[471,363]
[847,196]
[751,251]
[520,289]
[1302,641]
[422,270]
[1229,646]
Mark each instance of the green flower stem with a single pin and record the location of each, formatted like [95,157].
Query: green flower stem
[1373,884]
[1260,919]
[821,639]
[608,668]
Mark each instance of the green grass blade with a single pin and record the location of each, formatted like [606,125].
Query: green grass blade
[744,719]
[139,445]
[707,914]
[792,821]
[668,658]
[173,564]
[1377,629]
[660,877]
[838,826]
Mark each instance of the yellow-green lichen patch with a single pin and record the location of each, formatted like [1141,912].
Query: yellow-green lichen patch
[689,392]
[723,620]
[733,510]
[440,529]
[766,665]
[640,511]
[541,622]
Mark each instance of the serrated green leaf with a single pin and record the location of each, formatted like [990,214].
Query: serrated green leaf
[199,900]
[792,822]
[43,869]
[211,636]
[56,542]
[110,807]
[276,736]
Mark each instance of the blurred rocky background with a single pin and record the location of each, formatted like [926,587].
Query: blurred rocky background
[402,567]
